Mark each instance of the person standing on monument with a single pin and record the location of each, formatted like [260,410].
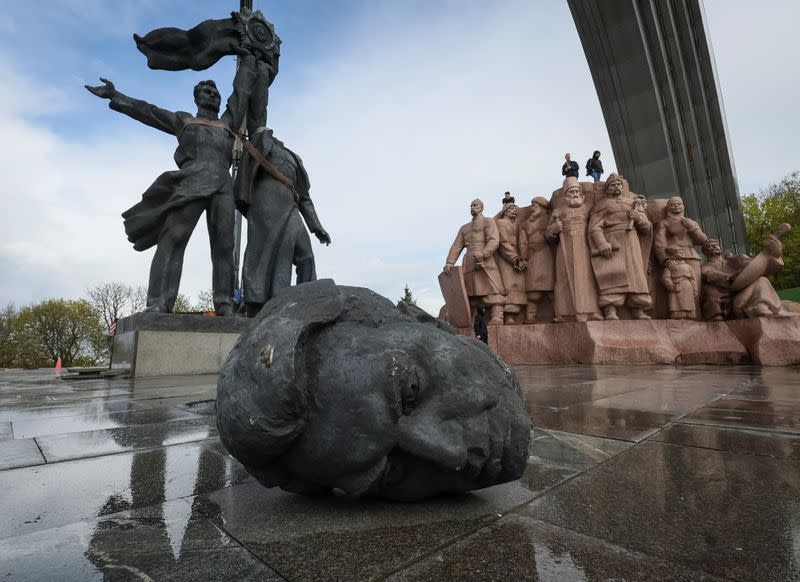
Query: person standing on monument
[481,276]
[594,167]
[614,228]
[170,208]
[570,169]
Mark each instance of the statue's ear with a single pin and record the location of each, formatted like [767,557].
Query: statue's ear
[262,398]
[278,332]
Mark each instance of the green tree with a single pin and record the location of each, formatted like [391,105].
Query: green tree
[57,327]
[408,297]
[763,212]
[8,353]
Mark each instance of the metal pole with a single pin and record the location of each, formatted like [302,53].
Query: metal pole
[237,156]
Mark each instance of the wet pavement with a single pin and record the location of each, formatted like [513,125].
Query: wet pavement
[634,473]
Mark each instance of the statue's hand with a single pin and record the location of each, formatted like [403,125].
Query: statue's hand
[448,270]
[606,251]
[323,236]
[105,91]
[671,265]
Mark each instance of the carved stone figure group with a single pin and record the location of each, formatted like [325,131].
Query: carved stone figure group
[600,252]
[272,186]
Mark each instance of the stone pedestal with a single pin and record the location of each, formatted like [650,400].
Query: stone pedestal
[166,344]
[764,341]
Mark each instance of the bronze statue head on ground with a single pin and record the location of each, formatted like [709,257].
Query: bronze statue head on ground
[334,389]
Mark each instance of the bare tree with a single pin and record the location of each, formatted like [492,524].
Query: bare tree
[205,301]
[138,298]
[110,301]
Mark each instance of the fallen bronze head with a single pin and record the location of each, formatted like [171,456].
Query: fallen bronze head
[334,389]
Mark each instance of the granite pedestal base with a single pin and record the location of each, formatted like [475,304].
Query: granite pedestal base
[165,344]
[764,341]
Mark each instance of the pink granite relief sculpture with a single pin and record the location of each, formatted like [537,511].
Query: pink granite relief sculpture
[614,228]
[510,264]
[675,229]
[601,252]
[736,287]
[481,276]
[680,284]
[536,253]
[574,293]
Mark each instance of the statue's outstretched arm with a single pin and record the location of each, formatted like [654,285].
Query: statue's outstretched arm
[142,111]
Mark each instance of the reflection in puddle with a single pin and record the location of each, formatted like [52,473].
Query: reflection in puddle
[181,475]
[548,563]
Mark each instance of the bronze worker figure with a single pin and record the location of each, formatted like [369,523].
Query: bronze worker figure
[172,205]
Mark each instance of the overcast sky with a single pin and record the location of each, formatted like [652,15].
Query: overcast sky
[403,112]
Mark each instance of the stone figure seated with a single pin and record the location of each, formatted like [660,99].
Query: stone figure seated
[735,287]
[334,389]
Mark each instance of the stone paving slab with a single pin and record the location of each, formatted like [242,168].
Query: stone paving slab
[19,453]
[54,409]
[604,421]
[521,548]
[160,542]
[732,515]
[323,538]
[5,431]
[748,441]
[96,421]
[48,496]
[93,443]
[764,415]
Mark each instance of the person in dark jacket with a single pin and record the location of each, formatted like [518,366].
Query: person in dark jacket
[508,198]
[570,168]
[594,167]
[480,327]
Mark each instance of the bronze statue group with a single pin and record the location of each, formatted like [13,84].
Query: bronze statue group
[271,188]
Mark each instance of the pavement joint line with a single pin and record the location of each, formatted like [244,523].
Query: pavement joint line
[728,451]
[248,550]
[713,424]
[41,452]
[112,454]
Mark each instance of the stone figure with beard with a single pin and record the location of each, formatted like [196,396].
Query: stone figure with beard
[334,389]
[615,226]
